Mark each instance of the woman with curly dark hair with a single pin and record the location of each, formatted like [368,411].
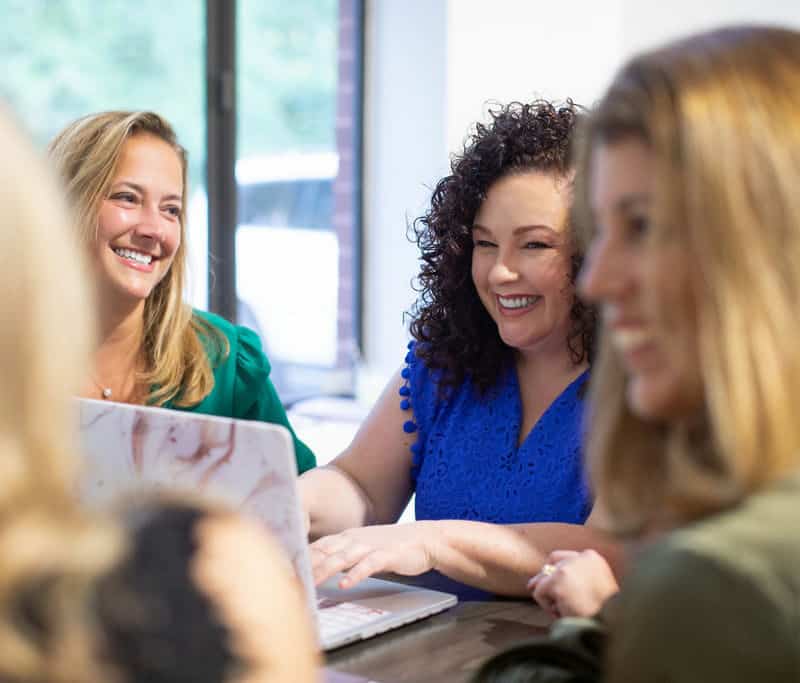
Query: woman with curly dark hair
[488,427]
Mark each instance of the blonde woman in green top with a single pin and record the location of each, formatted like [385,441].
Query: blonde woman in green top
[689,186]
[125,174]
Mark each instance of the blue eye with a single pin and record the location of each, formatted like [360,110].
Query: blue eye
[484,243]
[537,245]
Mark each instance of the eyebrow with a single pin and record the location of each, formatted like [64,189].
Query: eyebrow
[520,230]
[140,190]
[631,200]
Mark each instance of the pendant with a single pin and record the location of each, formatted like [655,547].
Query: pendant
[106,393]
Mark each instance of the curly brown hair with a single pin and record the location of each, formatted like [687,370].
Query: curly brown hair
[456,333]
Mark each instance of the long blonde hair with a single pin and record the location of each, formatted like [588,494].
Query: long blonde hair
[721,114]
[86,154]
[50,551]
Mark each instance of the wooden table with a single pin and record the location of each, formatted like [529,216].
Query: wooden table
[445,648]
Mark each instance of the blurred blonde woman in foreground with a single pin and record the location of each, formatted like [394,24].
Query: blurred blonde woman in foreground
[690,185]
[50,551]
[63,574]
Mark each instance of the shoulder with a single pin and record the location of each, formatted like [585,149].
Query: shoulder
[226,342]
[708,604]
[756,539]
[423,385]
[570,407]
[416,373]
[575,391]
[241,369]
[211,326]
[424,379]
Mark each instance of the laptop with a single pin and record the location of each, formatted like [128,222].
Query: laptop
[250,466]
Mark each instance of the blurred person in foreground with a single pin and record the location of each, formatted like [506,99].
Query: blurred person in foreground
[689,188]
[175,608]
[51,551]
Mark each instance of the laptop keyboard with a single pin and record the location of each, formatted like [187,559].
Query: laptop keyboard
[336,617]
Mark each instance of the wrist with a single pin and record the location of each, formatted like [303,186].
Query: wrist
[433,542]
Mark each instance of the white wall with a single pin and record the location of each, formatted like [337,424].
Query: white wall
[431,67]
[405,153]
[519,49]
[522,49]
[645,24]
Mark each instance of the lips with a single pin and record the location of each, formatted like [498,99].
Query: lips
[139,260]
[631,338]
[517,301]
[514,305]
[134,254]
[637,347]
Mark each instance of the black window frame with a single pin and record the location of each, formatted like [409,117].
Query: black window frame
[221,150]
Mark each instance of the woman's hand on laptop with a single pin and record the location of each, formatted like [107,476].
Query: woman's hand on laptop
[407,549]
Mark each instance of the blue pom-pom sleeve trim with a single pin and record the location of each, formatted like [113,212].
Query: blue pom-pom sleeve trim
[410,426]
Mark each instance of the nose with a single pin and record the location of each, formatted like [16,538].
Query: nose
[503,271]
[151,223]
[608,272]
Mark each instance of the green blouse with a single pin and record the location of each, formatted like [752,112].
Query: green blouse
[242,388]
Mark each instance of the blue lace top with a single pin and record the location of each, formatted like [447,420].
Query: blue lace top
[466,461]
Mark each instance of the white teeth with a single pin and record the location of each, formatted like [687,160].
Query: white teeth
[628,339]
[517,301]
[134,256]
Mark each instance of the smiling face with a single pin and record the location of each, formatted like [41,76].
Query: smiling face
[521,260]
[139,221]
[642,282]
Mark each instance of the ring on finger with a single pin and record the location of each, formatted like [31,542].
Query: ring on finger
[548,569]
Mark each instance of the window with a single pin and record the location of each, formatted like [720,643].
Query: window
[298,102]
[298,88]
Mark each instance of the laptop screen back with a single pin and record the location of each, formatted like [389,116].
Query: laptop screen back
[249,465]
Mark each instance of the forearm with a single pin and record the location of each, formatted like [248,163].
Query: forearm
[501,558]
[334,501]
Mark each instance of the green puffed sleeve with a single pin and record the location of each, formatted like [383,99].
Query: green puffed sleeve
[255,397]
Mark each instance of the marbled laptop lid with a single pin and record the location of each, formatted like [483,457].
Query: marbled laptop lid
[250,465]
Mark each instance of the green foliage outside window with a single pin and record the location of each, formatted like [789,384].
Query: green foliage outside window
[66,58]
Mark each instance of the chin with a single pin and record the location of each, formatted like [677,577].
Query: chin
[667,401]
[137,287]
[136,290]
[131,293]
[519,341]
[649,401]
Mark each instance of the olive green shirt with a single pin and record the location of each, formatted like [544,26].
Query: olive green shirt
[242,388]
[716,602]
